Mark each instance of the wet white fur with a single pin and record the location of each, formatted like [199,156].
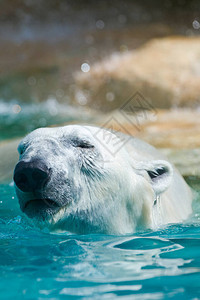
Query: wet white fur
[119,196]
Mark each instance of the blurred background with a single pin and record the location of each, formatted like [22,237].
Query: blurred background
[66,61]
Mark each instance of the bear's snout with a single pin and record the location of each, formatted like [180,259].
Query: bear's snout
[32,175]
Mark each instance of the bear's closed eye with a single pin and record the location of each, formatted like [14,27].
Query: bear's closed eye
[82,144]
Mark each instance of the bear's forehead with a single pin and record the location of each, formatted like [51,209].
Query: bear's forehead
[61,137]
[57,132]
[69,131]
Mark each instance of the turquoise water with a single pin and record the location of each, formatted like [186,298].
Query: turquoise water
[35,264]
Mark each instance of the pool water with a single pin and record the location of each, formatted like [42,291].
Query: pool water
[35,264]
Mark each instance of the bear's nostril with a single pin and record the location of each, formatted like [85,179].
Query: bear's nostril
[21,180]
[30,176]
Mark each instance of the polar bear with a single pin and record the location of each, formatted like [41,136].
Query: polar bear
[86,179]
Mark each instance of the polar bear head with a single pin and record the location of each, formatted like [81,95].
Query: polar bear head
[67,178]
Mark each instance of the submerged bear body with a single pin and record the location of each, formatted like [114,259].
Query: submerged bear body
[86,179]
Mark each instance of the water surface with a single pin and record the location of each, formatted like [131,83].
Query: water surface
[36,264]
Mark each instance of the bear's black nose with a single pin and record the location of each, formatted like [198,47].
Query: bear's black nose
[30,176]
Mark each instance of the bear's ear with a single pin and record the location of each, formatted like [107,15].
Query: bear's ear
[160,173]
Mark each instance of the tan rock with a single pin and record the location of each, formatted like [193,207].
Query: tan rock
[175,132]
[165,70]
[187,162]
[175,129]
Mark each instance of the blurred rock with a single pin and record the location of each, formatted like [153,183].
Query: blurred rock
[175,132]
[174,129]
[187,161]
[166,71]
[38,62]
